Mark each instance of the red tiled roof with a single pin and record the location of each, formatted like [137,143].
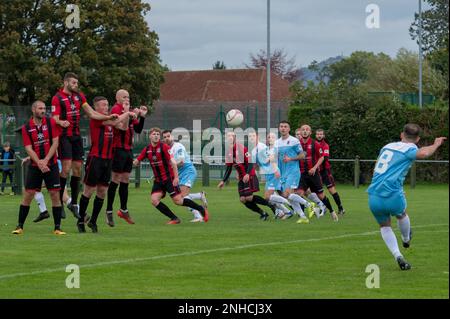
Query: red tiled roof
[222,85]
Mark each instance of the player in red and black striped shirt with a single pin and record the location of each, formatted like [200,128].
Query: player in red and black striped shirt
[165,174]
[310,167]
[66,110]
[122,163]
[237,156]
[325,170]
[98,164]
[40,138]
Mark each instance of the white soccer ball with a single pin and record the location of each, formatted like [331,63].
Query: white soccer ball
[234,117]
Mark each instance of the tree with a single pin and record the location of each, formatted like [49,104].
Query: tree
[111,49]
[353,70]
[219,65]
[279,64]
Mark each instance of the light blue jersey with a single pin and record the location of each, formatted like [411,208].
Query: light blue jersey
[187,172]
[261,155]
[391,168]
[290,171]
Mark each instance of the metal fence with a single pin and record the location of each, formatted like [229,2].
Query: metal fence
[360,170]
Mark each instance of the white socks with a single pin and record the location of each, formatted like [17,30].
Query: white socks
[283,208]
[298,199]
[39,197]
[313,197]
[194,196]
[405,228]
[390,240]
[277,199]
[295,203]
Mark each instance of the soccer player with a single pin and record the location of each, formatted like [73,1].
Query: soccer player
[310,167]
[98,164]
[187,173]
[289,153]
[66,110]
[40,138]
[386,195]
[122,163]
[238,156]
[166,179]
[265,157]
[325,170]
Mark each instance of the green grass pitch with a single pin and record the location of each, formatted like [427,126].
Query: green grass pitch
[235,255]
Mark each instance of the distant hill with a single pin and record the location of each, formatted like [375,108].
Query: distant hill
[310,75]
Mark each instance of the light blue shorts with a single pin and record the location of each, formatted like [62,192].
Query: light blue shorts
[187,177]
[290,181]
[383,208]
[272,183]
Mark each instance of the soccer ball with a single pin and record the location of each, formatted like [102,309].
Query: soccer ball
[234,117]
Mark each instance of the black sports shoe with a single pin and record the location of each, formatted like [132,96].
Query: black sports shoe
[75,209]
[93,227]
[341,211]
[273,208]
[109,219]
[81,228]
[407,244]
[264,216]
[42,216]
[404,265]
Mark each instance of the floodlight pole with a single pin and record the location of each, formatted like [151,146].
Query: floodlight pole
[420,53]
[268,67]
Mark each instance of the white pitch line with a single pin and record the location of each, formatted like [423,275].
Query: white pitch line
[192,253]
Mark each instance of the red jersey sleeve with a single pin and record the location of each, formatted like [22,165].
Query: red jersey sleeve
[143,154]
[319,150]
[25,138]
[55,128]
[56,107]
[326,150]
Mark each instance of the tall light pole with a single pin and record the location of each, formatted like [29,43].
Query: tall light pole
[268,66]
[420,53]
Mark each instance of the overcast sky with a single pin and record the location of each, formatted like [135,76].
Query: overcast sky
[195,33]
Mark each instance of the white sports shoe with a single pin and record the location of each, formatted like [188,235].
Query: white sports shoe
[197,220]
[204,200]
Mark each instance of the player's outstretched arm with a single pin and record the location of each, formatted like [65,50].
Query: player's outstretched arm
[427,151]
[95,115]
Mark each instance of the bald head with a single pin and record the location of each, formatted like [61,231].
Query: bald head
[304,131]
[122,96]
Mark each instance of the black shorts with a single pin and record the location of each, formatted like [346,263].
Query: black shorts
[97,171]
[70,148]
[166,186]
[34,178]
[247,189]
[327,178]
[313,182]
[122,160]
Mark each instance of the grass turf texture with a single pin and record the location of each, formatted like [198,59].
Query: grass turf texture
[235,255]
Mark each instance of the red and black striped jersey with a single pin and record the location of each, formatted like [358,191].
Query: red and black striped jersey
[326,154]
[101,139]
[159,158]
[68,107]
[40,138]
[238,157]
[123,139]
[313,154]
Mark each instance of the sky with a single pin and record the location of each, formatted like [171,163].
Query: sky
[193,34]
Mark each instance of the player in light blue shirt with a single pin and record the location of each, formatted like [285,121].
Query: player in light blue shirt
[386,196]
[266,158]
[186,173]
[290,152]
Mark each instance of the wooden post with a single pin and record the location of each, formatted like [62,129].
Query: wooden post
[413,175]
[357,171]
[205,174]
[18,176]
[137,176]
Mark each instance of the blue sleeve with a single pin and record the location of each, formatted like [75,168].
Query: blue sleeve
[411,153]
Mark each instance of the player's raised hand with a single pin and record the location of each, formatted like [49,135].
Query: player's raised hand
[114,117]
[439,141]
[133,114]
[143,110]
